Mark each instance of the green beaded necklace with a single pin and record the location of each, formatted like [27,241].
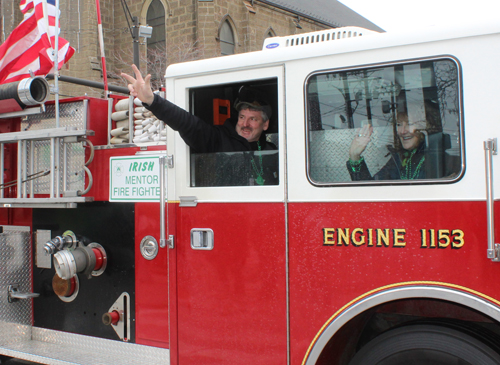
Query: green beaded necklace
[259,173]
[407,174]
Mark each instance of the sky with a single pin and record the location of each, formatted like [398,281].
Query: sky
[393,15]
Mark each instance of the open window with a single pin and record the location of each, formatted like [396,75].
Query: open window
[407,113]
[215,105]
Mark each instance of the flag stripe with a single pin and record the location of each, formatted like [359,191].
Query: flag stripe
[30,45]
[26,5]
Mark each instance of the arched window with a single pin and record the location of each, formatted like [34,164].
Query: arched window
[156,44]
[269,34]
[226,39]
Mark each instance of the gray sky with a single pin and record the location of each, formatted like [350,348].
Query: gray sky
[392,15]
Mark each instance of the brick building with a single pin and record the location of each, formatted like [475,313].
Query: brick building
[182,30]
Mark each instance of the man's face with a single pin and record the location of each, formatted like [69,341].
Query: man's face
[251,125]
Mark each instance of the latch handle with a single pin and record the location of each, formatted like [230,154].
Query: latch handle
[13,294]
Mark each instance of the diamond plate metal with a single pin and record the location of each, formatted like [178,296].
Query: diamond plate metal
[61,348]
[15,269]
[329,152]
[70,115]
[20,340]
[75,159]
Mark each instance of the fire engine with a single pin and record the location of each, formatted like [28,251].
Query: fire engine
[143,252]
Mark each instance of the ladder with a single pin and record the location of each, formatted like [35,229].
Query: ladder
[50,161]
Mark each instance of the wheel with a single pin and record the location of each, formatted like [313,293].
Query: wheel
[425,344]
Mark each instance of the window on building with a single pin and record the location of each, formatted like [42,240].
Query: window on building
[226,39]
[395,124]
[156,44]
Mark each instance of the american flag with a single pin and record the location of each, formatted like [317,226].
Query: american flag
[30,45]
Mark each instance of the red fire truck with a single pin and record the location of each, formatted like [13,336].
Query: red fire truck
[149,253]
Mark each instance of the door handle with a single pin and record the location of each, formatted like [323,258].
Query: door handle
[163,240]
[202,239]
[490,149]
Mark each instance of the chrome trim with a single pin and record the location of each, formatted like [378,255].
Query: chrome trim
[2,164]
[33,90]
[32,164]
[23,113]
[110,122]
[19,169]
[85,116]
[122,307]
[144,146]
[42,259]
[131,107]
[149,247]
[170,160]
[163,240]
[52,167]
[416,292]
[23,168]
[57,172]
[13,294]
[202,239]
[47,133]
[188,201]
[490,149]
[63,348]
[171,241]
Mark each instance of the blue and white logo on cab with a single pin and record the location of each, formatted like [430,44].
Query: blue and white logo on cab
[272,45]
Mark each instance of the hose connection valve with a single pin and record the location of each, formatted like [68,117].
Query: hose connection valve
[90,260]
[111,318]
[58,243]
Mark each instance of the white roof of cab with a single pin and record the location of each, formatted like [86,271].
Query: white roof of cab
[279,55]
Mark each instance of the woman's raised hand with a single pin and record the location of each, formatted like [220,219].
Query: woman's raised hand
[360,142]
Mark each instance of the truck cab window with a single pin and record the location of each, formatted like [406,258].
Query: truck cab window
[398,124]
[245,116]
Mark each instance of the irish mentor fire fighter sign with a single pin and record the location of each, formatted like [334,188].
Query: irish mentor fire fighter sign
[134,179]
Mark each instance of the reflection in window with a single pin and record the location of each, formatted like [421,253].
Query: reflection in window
[234,168]
[393,123]
[226,39]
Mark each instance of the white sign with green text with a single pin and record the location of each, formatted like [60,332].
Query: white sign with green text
[134,179]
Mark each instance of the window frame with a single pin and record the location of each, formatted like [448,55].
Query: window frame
[222,40]
[179,176]
[381,65]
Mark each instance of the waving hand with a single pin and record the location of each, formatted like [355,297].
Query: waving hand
[139,87]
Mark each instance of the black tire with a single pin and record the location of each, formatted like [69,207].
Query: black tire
[425,344]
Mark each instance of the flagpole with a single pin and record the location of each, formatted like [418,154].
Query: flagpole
[101,43]
[56,64]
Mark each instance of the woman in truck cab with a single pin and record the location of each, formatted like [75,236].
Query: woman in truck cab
[412,157]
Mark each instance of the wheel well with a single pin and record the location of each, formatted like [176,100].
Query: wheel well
[369,324]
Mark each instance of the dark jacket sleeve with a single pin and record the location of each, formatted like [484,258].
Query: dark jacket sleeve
[389,171]
[199,135]
[359,172]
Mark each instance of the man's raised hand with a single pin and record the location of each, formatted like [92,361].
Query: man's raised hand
[139,87]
